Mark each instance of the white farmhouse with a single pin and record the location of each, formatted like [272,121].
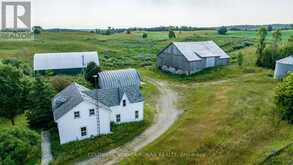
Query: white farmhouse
[81,113]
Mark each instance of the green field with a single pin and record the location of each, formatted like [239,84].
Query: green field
[228,112]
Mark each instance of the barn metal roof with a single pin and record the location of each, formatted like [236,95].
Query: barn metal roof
[287,60]
[194,51]
[70,60]
[119,78]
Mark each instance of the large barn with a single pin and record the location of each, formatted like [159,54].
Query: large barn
[64,63]
[191,57]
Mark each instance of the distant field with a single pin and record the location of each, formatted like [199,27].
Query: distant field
[120,50]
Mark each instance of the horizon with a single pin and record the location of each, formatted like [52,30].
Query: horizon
[92,14]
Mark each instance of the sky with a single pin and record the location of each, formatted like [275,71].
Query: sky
[151,13]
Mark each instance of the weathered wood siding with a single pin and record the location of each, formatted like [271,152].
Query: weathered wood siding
[223,61]
[171,56]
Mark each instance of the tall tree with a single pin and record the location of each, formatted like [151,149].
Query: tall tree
[39,114]
[277,38]
[270,28]
[262,34]
[14,89]
[240,59]
[91,70]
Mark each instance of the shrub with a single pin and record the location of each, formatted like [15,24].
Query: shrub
[172,34]
[284,99]
[222,30]
[18,145]
[144,35]
[240,59]
[59,83]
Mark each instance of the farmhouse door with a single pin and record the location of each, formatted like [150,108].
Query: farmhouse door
[211,62]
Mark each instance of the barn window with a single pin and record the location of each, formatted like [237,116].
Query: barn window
[92,112]
[124,103]
[83,131]
[76,115]
[118,118]
[136,114]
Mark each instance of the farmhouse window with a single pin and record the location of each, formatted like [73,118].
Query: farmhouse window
[136,114]
[118,118]
[124,103]
[76,115]
[83,131]
[92,112]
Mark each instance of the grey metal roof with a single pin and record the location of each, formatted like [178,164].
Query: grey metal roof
[119,78]
[67,99]
[194,51]
[112,96]
[287,60]
[75,94]
[70,60]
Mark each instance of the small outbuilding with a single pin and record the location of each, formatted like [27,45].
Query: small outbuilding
[64,63]
[283,66]
[191,57]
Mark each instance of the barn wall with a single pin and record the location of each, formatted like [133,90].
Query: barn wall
[173,57]
[196,66]
[72,71]
[282,70]
[222,61]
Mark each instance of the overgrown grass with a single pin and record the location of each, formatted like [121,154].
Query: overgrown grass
[74,151]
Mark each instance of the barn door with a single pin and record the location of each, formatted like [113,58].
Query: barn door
[211,62]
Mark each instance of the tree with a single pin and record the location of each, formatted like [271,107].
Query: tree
[270,28]
[172,34]
[222,30]
[144,35]
[240,59]
[39,114]
[284,99]
[128,31]
[277,38]
[91,70]
[17,145]
[37,29]
[262,34]
[59,83]
[27,70]
[14,89]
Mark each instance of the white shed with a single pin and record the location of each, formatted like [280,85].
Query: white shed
[283,66]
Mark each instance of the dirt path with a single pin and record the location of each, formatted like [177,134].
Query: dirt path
[166,116]
[46,148]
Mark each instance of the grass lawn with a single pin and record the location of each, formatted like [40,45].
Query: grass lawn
[74,151]
[228,118]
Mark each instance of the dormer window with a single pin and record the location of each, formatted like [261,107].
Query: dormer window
[124,103]
[76,115]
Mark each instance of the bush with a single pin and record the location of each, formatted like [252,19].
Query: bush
[144,35]
[18,145]
[284,99]
[222,30]
[172,34]
[59,83]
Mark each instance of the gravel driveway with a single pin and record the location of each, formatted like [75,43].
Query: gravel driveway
[164,119]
